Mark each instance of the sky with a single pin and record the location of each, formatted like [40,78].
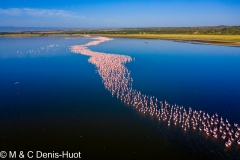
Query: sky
[118,13]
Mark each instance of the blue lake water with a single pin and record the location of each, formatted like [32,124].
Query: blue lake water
[60,102]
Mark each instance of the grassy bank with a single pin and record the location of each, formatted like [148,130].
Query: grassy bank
[177,36]
[228,40]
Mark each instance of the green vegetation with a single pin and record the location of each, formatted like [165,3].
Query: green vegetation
[216,30]
[221,35]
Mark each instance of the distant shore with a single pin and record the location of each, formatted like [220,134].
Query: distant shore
[224,40]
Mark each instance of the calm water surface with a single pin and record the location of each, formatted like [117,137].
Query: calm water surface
[60,102]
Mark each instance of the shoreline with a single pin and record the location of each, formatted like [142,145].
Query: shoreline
[211,42]
[221,40]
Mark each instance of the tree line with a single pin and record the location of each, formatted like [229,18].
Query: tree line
[206,30]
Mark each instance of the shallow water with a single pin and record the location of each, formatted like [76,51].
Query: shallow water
[60,102]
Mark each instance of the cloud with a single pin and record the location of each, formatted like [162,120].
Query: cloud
[39,12]
[11,11]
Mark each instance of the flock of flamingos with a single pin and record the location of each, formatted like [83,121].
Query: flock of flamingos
[116,79]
